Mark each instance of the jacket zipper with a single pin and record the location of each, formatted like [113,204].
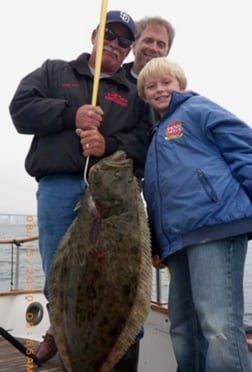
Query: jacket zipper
[207,186]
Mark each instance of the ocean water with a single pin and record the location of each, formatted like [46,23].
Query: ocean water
[30,275]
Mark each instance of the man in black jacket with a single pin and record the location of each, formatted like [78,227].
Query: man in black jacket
[53,103]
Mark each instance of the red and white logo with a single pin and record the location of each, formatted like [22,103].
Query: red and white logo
[174,130]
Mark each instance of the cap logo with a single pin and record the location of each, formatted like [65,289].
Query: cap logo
[125,17]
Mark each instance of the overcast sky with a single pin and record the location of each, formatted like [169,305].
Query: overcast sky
[212,44]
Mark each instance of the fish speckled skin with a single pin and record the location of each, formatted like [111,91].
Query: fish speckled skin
[100,280]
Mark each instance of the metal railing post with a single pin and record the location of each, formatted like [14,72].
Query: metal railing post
[17,266]
[158,286]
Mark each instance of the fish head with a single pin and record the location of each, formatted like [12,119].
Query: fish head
[111,183]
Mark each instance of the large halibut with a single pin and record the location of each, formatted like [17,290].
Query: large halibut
[100,280]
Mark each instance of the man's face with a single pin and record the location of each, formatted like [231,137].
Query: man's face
[114,49]
[153,42]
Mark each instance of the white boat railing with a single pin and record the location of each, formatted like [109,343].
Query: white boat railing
[160,280]
[16,246]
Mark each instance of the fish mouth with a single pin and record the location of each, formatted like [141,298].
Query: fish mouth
[108,202]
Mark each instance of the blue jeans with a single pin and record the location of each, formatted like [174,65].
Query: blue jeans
[206,307]
[57,197]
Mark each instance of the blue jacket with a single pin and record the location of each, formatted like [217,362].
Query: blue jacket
[198,175]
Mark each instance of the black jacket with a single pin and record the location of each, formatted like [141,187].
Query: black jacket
[45,106]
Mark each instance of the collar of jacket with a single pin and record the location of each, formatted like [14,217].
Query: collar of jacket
[81,66]
[177,99]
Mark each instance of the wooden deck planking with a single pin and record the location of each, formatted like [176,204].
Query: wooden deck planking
[12,360]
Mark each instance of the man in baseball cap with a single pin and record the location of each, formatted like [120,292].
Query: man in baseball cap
[83,130]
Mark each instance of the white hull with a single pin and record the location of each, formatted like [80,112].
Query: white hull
[14,307]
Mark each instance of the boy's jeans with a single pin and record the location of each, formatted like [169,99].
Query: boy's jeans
[206,306]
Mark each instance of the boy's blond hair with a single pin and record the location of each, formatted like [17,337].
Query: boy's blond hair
[158,67]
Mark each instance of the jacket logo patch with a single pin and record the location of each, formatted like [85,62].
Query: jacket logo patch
[174,130]
[69,85]
[116,98]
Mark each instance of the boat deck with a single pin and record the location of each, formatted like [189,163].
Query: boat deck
[12,360]
[152,358]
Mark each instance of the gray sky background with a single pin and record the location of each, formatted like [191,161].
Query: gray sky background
[212,44]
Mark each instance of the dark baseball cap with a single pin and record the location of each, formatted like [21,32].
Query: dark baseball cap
[118,16]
